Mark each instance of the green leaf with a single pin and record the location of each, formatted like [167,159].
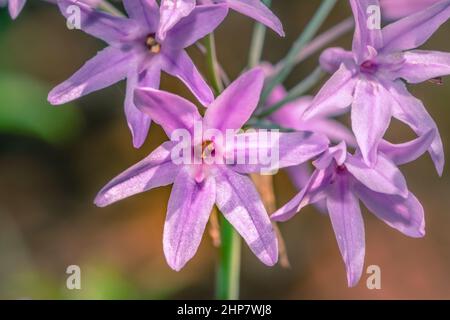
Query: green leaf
[24,110]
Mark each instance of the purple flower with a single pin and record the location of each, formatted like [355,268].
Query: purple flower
[341,179]
[396,9]
[198,185]
[370,77]
[137,53]
[14,6]
[174,10]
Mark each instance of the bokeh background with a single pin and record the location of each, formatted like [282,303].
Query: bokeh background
[53,160]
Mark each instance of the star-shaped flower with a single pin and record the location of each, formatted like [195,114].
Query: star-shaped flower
[370,77]
[137,53]
[342,179]
[198,182]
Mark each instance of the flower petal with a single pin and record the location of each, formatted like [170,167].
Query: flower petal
[371,115]
[364,36]
[313,192]
[414,30]
[180,65]
[411,111]
[348,225]
[156,170]
[335,95]
[169,110]
[258,11]
[202,21]
[146,12]
[332,58]
[409,151]
[265,152]
[138,121]
[15,7]
[235,105]
[420,65]
[188,212]
[404,214]
[172,11]
[384,177]
[241,205]
[100,24]
[108,67]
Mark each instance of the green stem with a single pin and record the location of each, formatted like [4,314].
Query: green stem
[257,44]
[305,37]
[110,8]
[213,65]
[228,273]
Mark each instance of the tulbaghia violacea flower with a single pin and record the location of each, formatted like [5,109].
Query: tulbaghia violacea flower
[198,185]
[135,52]
[14,6]
[396,9]
[370,77]
[341,179]
[174,10]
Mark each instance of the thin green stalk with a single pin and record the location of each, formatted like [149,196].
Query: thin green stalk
[295,92]
[310,31]
[228,273]
[213,65]
[257,44]
[110,8]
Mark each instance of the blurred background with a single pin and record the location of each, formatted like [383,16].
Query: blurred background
[53,160]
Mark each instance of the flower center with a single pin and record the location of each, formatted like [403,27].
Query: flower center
[369,66]
[152,45]
[341,169]
[208,149]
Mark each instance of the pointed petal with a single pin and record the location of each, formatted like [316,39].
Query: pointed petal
[420,65]
[156,170]
[100,24]
[202,21]
[108,67]
[146,12]
[333,129]
[235,105]
[332,58]
[315,190]
[258,11]
[138,121]
[409,151]
[274,150]
[336,94]
[241,205]
[172,11]
[169,110]
[15,7]
[411,111]
[348,225]
[414,30]
[188,212]
[404,214]
[384,177]
[180,65]
[371,115]
[364,36]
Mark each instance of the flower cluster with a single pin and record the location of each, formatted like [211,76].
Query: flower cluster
[370,81]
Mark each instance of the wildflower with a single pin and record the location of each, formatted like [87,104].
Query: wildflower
[174,10]
[137,53]
[198,186]
[370,77]
[341,179]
